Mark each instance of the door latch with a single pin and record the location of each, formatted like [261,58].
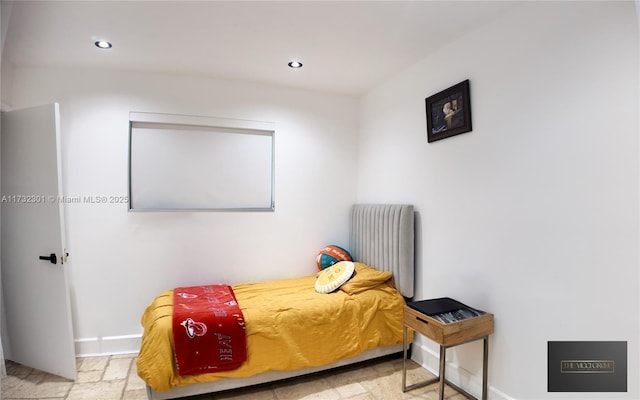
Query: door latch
[51,258]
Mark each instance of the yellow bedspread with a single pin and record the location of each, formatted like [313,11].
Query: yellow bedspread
[289,326]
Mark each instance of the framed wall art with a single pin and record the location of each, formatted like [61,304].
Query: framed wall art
[449,112]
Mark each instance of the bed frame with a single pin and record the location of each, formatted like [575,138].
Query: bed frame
[381,235]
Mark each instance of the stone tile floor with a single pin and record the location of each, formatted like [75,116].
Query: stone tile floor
[115,378]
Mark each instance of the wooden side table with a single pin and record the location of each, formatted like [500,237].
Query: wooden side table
[446,335]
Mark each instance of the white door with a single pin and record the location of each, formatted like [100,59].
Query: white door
[35,290]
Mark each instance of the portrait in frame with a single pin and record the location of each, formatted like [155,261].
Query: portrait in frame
[448,112]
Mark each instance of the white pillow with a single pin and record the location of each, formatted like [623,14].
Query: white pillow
[331,278]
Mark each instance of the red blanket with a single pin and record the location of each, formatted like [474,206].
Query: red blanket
[208,330]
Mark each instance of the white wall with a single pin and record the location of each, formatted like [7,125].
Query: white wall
[121,260]
[533,215]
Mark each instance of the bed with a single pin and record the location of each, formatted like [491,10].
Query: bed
[359,321]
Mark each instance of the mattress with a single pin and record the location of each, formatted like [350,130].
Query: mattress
[289,326]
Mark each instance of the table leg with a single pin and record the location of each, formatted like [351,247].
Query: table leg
[405,346]
[443,355]
[485,357]
[404,359]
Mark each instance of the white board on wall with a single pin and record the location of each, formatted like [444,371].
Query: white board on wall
[182,162]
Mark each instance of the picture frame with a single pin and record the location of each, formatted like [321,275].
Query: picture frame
[448,112]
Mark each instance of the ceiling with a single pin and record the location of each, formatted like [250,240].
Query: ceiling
[347,47]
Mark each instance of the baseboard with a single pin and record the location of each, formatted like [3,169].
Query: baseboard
[108,345]
[430,360]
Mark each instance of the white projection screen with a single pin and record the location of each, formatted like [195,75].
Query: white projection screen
[182,163]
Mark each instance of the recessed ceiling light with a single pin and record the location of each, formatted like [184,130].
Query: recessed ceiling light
[295,64]
[103,44]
